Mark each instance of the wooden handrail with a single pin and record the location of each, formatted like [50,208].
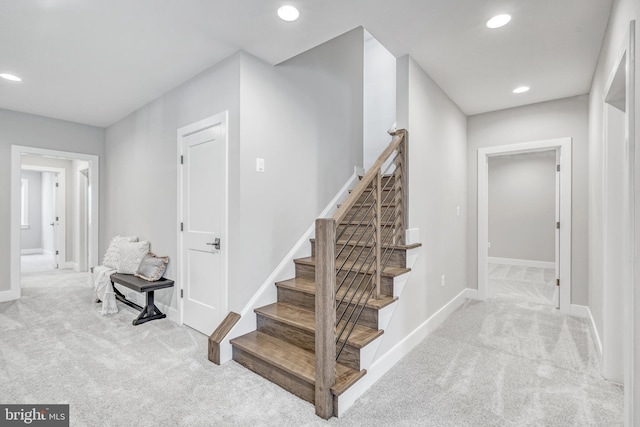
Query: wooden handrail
[398,137]
[378,233]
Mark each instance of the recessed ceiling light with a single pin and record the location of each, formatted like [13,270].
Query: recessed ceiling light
[288,13]
[498,21]
[10,77]
[521,89]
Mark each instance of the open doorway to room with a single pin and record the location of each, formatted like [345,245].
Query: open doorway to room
[523,239]
[54,216]
[541,269]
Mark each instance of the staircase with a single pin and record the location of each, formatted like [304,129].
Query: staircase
[366,254]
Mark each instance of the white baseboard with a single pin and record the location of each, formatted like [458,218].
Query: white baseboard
[384,363]
[580,311]
[471,293]
[584,312]
[31,251]
[9,295]
[521,262]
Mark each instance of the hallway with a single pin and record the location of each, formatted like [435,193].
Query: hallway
[491,363]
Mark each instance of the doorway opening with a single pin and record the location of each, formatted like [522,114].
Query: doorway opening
[50,185]
[561,266]
[523,240]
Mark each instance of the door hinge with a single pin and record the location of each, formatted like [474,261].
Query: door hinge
[182,226]
[57,253]
[182,160]
[558,225]
[57,185]
[57,219]
[558,168]
[181,293]
[557,282]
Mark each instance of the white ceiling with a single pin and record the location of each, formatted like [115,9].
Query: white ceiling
[95,61]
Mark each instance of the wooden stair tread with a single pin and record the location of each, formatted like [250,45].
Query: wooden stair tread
[306,320]
[293,359]
[307,286]
[388,271]
[397,246]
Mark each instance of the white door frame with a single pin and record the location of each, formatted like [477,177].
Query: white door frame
[563,145]
[629,264]
[61,229]
[182,133]
[16,164]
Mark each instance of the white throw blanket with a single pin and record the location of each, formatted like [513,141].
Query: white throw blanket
[104,288]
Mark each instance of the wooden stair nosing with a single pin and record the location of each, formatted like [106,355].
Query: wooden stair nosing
[305,320]
[306,286]
[386,272]
[293,360]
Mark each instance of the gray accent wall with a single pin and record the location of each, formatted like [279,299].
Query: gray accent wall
[303,117]
[36,131]
[522,206]
[437,180]
[31,238]
[547,120]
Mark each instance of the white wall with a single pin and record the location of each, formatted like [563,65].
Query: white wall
[437,187]
[304,117]
[616,37]
[379,98]
[140,177]
[31,238]
[35,131]
[521,205]
[547,120]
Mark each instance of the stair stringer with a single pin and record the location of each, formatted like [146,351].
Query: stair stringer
[376,366]
[267,293]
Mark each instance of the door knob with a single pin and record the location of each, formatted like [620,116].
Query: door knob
[216,243]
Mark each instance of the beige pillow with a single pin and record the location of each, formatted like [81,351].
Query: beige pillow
[152,267]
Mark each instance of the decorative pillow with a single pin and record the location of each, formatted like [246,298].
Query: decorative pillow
[111,257]
[130,255]
[152,267]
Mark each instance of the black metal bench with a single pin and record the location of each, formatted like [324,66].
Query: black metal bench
[149,311]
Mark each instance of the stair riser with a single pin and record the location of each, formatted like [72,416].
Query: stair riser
[398,257]
[369,317]
[309,272]
[304,339]
[367,197]
[365,234]
[366,213]
[291,383]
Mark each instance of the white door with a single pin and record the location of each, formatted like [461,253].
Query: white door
[203,175]
[55,220]
[557,256]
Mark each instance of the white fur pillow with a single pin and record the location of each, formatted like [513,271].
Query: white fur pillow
[111,257]
[130,255]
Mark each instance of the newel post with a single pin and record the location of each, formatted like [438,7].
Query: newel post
[325,345]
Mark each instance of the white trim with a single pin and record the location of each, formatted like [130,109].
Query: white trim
[94,196]
[31,251]
[384,363]
[182,132]
[471,293]
[580,311]
[562,144]
[522,262]
[267,293]
[596,335]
